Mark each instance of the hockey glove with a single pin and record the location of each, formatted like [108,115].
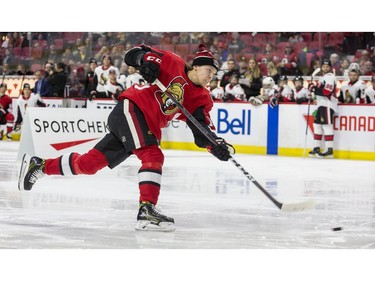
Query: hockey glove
[150,68]
[273,102]
[311,87]
[222,150]
[92,96]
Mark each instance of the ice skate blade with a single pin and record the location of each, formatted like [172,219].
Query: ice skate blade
[144,225]
[24,165]
[325,157]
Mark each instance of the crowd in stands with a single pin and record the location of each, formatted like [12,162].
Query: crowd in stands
[246,58]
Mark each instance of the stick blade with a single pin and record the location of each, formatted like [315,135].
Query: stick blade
[297,207]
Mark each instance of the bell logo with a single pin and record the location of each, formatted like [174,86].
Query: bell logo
[235,125]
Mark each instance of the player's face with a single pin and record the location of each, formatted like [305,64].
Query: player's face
[106,61]
[205,73]
[26,92]
[325,68]
[298,84]
[353,76]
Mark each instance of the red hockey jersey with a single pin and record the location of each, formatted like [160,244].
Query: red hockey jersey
[157,107]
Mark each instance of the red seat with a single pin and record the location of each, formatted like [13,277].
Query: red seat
[307,37]
[315,45]
[322,36]
[37,53]
[281,47]
[59,44]
[167,47]
[260,37]
[35,66]
[193,48]
[299,46]
[17,52]
[182,50]
[272,37]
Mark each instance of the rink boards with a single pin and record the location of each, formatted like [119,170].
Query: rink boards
[251,129]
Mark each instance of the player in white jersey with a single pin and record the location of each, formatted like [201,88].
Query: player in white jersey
[353,91]
[115,85]
[285,91]
[370,92]
[233,90]
[269,92]
[217,93]
[301,94]
[27,99]
[133,77]
[101,77]
[327,106]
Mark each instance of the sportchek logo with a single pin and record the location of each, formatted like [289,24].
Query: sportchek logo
[64,145]
[73,126]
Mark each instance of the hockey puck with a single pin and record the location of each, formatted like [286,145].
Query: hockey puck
[336,228]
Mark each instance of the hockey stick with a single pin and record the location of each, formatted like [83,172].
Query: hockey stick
[23,78]
[316,71]
[309,204]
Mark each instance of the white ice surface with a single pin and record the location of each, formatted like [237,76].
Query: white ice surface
[212,202]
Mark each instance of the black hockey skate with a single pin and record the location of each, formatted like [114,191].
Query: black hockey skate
[328,154]
[151,219]
[31,170]
[315,152]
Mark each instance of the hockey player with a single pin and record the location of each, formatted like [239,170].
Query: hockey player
[301,93]
[6,116]
[28,99]
[115,85]
[285,91]
[353,91]
[327,107]
[370,91]
[233,91]
[217,93]
[269,92]
[135,128]
[101,77]
[133,77]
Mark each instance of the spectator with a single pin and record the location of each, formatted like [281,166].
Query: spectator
[233,90]
[90,87]
[53,55]
[82,56]
[41,87]
[295,38]
[269,54]
[133,77]
[268,92]
[272,72]
[217,93]
[335,62]
[235,46]
[367,68]
[353,90]
[344,67]
[115,85]
[289,62]
[6,116]
[323,117]
[370,92]
[301,94]
[251,81]
[101,77]
[21,70]
[102,52]
[315,63]
[8,57]
[232,70]
[26,100]
[57,79]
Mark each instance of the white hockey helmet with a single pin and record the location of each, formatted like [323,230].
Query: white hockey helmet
[269,82]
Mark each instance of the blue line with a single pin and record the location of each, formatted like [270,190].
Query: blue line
[273,130]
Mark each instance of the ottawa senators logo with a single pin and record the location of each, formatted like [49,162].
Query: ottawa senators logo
[175,88]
